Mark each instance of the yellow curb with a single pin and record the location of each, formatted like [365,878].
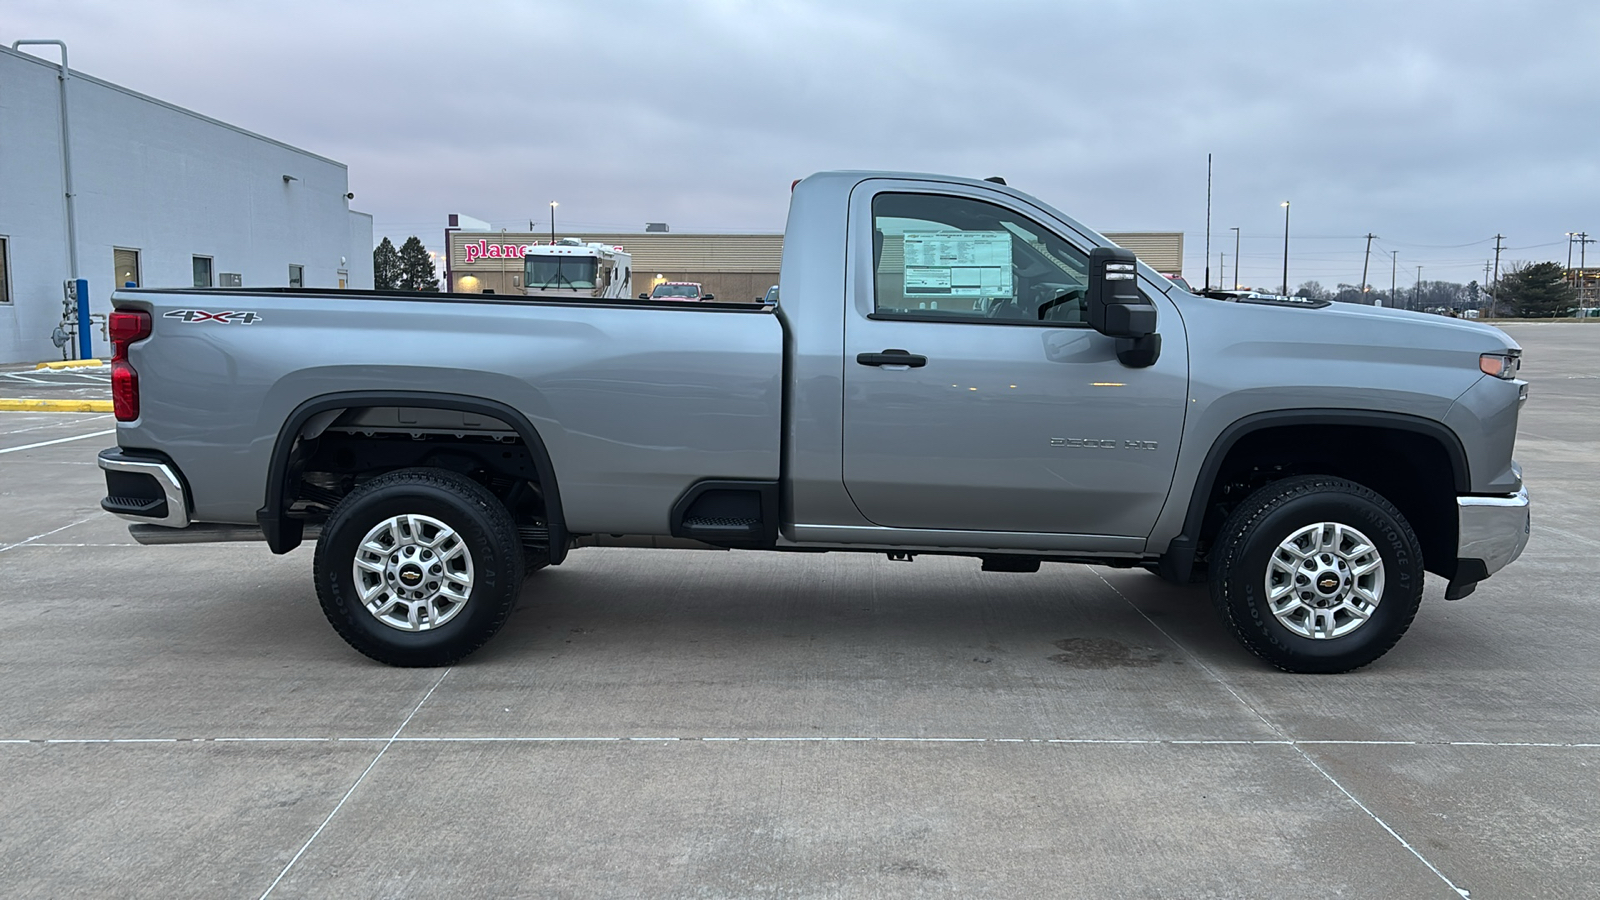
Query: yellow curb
[97,406]
[70,364]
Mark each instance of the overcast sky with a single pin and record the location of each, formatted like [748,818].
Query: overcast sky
[1434,125]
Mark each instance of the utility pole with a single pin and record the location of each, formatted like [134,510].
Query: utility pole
[1570,236]
[1416,292]
[1497,248]
[1394,266]
[1486,292]
[1236,257]
[1583,281]
[1364,261]
[1208,223]
[1222,269]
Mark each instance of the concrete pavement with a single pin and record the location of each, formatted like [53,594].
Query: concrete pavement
[181,721]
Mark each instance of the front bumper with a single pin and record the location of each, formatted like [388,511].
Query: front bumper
[1492,531]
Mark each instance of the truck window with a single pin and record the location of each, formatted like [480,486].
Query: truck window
[937,256]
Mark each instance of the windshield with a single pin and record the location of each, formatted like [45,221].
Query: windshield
[676,290]
[559,272]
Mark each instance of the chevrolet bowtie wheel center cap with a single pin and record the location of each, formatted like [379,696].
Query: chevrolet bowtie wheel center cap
[1324,581]
[413,572]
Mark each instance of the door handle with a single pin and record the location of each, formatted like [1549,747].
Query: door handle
[892,358]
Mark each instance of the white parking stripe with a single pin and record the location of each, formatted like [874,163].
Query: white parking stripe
[50,532]
[1298,749]
[359,779]
[76,419]
[558,739]
[58,441]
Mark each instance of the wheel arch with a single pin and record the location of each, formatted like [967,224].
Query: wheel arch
[284,534]
[1177,562]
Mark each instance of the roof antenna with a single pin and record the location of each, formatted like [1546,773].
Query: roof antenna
[996,179]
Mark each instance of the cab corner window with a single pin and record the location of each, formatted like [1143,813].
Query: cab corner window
[952,258]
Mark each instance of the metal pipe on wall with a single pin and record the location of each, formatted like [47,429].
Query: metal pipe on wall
[85,347]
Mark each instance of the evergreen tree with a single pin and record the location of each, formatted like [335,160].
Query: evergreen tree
[416,267]
[1536,291]
[386,266]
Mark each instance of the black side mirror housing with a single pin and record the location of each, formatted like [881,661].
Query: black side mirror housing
[708,297]
[644,296]
[1117,309]
[1114,305]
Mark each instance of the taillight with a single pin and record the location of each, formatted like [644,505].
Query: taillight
[126,326]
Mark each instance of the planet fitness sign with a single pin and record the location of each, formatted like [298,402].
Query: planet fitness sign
[486,250]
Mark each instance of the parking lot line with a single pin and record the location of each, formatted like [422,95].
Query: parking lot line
[46,534]
[370,766]
[65,421]
[625,739]
[1294,745]
[64,440]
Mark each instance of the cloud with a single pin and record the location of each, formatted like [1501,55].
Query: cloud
[1428,123]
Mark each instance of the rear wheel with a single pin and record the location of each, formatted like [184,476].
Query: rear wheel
[1317,574]
[418,567]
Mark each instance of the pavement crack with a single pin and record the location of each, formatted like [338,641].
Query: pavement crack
[360,778]
[1292,743]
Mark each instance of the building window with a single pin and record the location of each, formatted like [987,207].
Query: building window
[5,270]
[126,262]
[202,271]
[297,276]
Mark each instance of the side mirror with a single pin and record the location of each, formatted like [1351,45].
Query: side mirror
[708,297]
[644,296]
[1117,309]
[1114,305]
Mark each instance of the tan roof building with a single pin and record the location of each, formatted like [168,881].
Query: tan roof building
[733,267]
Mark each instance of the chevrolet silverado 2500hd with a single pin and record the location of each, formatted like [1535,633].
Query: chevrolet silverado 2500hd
[953,367]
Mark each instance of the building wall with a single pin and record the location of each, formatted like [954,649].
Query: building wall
[160,179]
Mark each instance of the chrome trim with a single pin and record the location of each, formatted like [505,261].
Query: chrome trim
[1493,529]
[177,501]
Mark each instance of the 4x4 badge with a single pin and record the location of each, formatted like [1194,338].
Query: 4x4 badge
[244,317]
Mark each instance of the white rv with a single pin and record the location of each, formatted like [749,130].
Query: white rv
[571,267]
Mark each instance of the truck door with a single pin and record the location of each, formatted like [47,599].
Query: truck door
[976,397]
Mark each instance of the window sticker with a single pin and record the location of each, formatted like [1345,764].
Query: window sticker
[958,264]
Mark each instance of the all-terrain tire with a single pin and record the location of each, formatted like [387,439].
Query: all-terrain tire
[1257,552]
[422,529]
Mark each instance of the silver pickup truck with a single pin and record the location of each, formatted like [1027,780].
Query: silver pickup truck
[953,367]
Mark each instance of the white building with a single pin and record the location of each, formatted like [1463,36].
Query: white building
[164,197]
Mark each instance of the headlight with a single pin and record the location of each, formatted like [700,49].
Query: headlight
[1501,365]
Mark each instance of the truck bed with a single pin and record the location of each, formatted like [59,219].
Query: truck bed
[634,400]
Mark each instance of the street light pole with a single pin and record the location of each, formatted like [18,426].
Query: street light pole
[1285,248]
[553,205]
[1236,257]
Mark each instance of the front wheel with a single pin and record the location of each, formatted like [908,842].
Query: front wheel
[418,567]
[1317,574]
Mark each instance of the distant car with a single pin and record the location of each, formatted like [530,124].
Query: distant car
[1180,282]
[772,296]
[677,290]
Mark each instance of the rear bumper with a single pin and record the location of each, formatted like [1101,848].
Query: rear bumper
[1492,532]
[144,489]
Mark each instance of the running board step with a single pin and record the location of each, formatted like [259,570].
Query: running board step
[205,533]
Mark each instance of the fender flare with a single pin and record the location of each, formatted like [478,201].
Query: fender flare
[1178,561]
[284,534]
